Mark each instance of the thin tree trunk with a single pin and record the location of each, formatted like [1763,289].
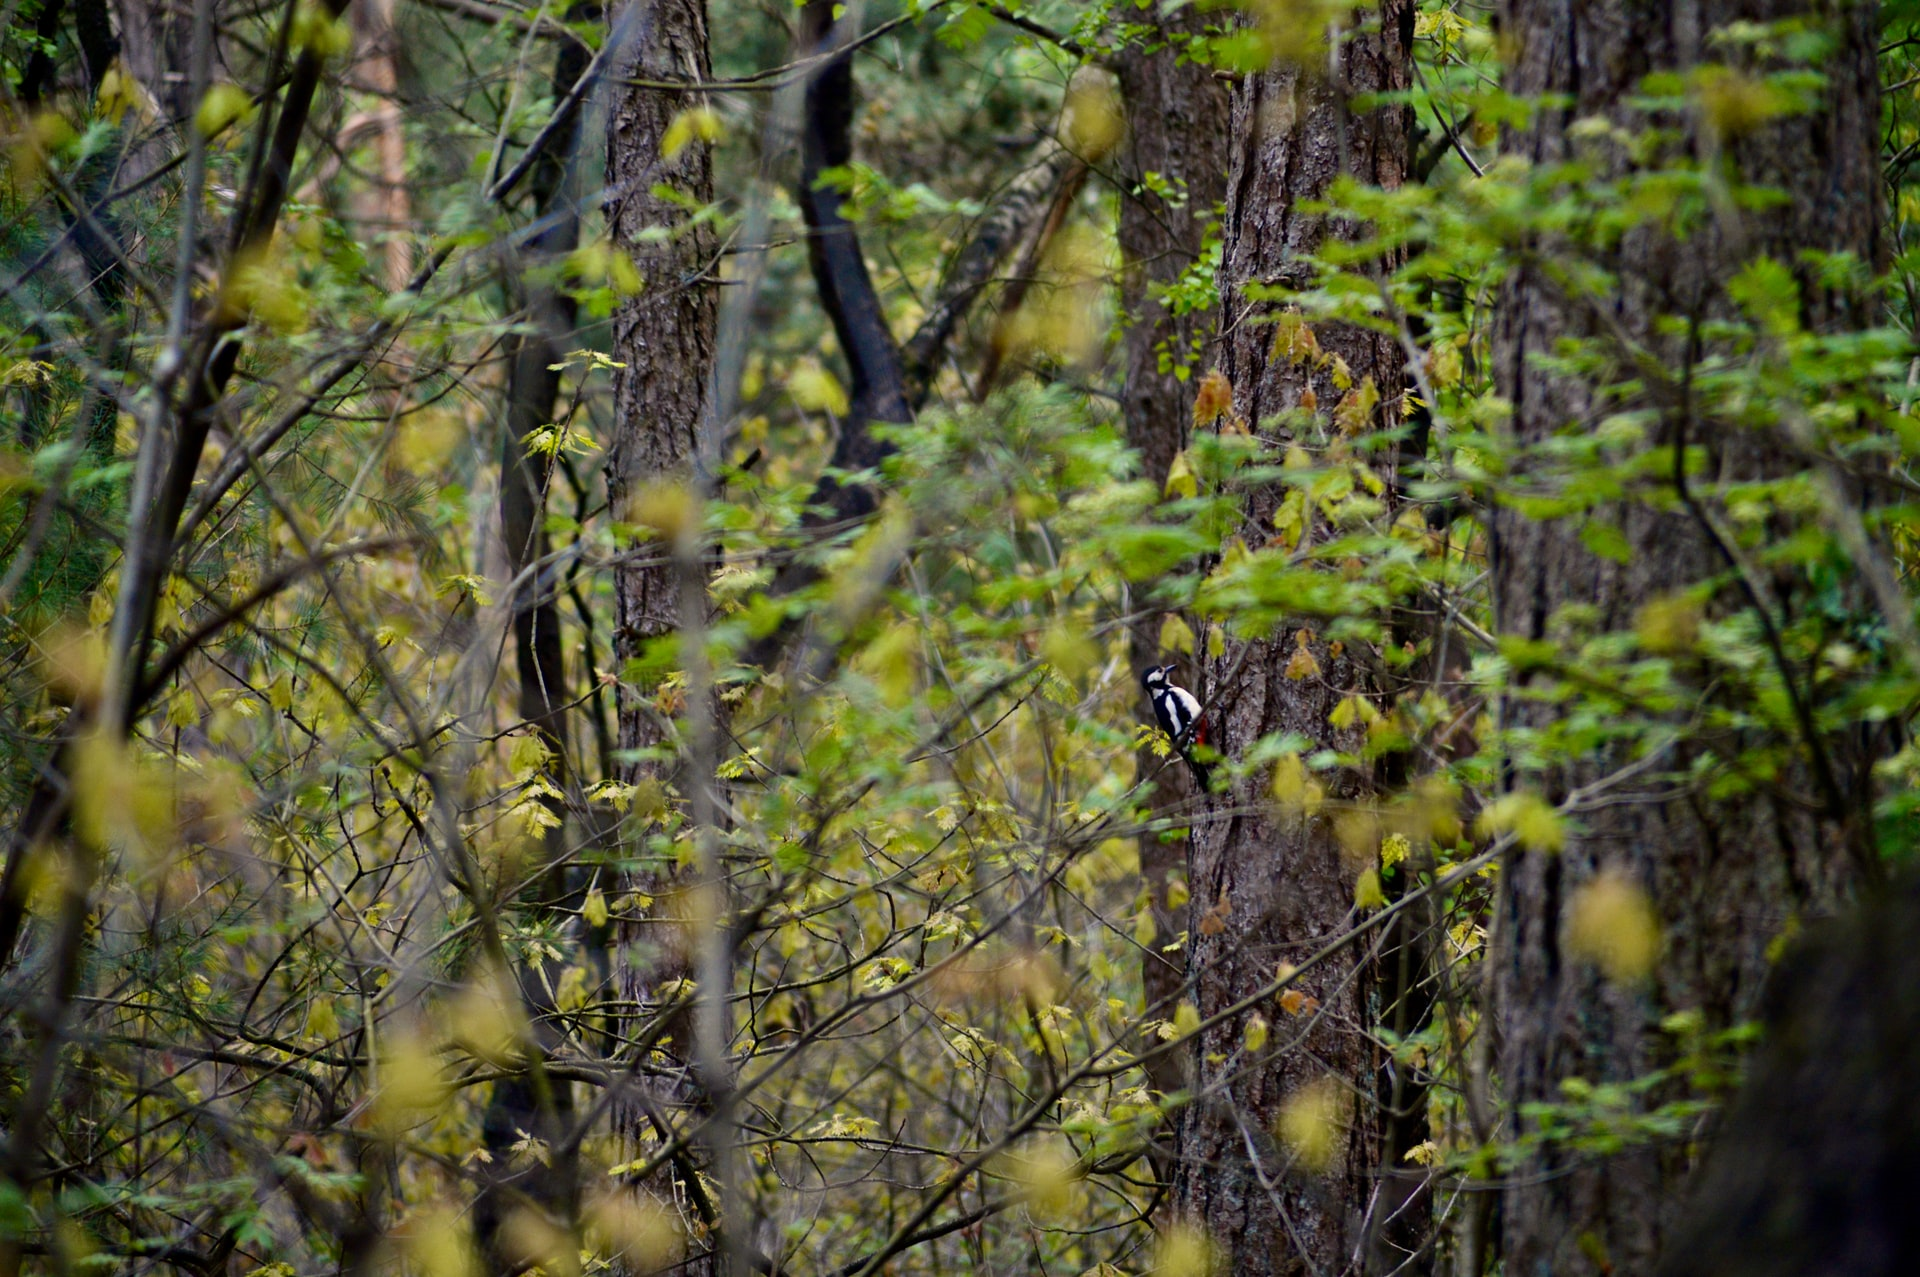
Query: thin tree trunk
[1176,136]
[664,336]
[1270,887]
[391,202]
[533,381]
[1725,876]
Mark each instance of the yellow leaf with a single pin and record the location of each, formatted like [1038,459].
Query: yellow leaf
[1311,1122]
[487,1021]
[1290,518]
[1611,923]
[1352,711]
[1435,810]
[322,1023]
[1184,1251]
[1047,1180]
[816,390]
[425,439]
[1175,634]
[667,507]
[594,909]
[120,91]
[571,993]
[1528,817]
[1294,789]
[1367,893]
[1067,648]
[1181,481]
[1357,830]
[892,661]
[1091,120]
[530,1240]
[1733,103]
[437,1242]
[410,1082]
[318,32]
[700,123]
[1341,374]
[1443,365]
[1668,625]
[224,105]
[1254,1036]
[264,287]
[622,275]
[1186,1020]
[639,1231]
[529,755]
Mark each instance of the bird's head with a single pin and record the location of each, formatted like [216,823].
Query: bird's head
[1155,678]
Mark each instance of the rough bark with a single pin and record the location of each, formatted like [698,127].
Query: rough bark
[1725,876]
[665,337]
[1268,888]
[665,334]
[1177,131]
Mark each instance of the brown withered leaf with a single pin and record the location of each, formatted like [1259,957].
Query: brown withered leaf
[1214,921]
[1354,412]
[1294,1002]
[1302,663]
[1294,341]
[1212,400]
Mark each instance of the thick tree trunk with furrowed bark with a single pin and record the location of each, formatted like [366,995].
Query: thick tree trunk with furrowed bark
[1724,876]
[1176,143]
[1267,887]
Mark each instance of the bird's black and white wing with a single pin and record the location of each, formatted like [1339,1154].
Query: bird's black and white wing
[1177,711]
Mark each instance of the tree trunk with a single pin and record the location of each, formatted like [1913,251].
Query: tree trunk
[1270,888]
[532,385]
[1177,134]
[664,336]
[1725,876]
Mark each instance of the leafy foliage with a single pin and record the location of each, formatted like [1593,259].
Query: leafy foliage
[330,907]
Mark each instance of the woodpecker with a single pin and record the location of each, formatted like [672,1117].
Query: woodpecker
[1178,713]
